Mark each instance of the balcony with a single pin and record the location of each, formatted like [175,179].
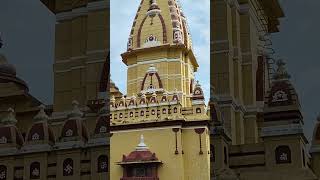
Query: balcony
[139,178]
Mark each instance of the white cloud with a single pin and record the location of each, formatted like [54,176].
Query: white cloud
[198,17]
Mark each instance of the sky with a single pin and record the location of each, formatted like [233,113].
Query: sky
[28,33]
[198,18]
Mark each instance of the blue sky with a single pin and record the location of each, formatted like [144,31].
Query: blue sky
[198,17]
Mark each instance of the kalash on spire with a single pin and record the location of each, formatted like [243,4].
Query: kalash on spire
[164,102]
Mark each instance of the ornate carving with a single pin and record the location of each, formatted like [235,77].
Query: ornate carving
[68,167]
[283,154]
[3,172]
[3,140]
[103,163]
[35,170]
[35,136]
[130,43]
[177,36]
[69,133]
[280,96]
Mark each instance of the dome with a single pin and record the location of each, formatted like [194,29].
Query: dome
[282,101]
[74,127]
[8,73]
[315,147]
[5,67]
[198,92]
[102,125]
[40,130]
[281,92]
[141,154]
[316,136]
[9,134]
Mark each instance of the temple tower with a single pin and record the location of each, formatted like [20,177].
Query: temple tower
[160,39]
[164,102]
[240,52]
[81,49]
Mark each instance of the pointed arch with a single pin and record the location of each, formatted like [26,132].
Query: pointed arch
[145,78]
[164,30]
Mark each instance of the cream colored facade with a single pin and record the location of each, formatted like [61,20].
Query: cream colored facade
[69,139]
[164,102]
[257,132]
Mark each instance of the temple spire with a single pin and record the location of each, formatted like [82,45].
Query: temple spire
[76,112]
[281,72]
[142,146]
[10,119]
[41,116]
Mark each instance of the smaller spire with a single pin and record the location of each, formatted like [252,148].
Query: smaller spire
[198,84]
[142,146]
[113,99]
[281,73]
[10,119]
[75,113]
[41,116]
[104,109]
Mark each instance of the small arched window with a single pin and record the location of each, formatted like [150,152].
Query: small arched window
[3,172]
[120,115]
[35,170]
[283,155]
[110,116]
[198,110]
[68,167]
[164,111]
[142,113]
[175,110]
[103,163]
[153,112]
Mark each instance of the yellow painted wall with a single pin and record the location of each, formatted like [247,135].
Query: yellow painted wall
[187,166]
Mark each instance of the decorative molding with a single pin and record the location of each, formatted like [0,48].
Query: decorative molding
[280,130]
[157,61]
[83,11]
[98,5]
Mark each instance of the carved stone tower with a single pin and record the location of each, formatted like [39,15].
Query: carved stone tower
[81,49]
